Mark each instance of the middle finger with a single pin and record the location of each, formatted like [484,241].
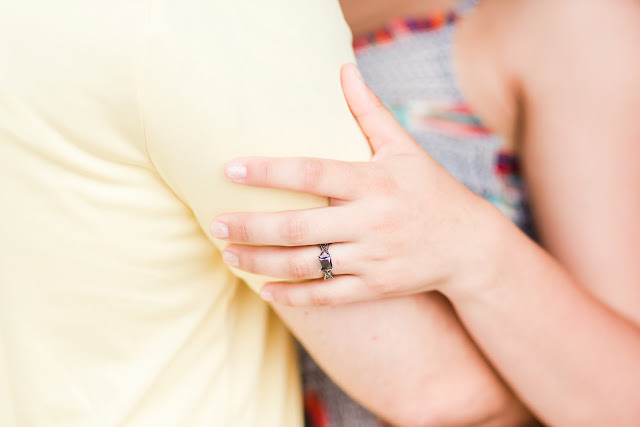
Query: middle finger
[290,228]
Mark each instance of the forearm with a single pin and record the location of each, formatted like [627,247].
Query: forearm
[570,359]
[407,359]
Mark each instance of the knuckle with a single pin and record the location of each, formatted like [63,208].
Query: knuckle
[247,262]
[387,222]
[265,167]
[298,268]
[354,177]
[383,184]
[375,108]
[294,230]
[377,105]
[378,254]
[282,296]
[381,286]
[312,171]
[243,231]
[319,298]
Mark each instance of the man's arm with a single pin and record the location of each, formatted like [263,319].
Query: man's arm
[272,88]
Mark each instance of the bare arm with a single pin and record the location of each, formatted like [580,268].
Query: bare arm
[565,331]
[534,317]
[273,88]
[408,358]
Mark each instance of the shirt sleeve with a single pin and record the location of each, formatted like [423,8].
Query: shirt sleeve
[244,78]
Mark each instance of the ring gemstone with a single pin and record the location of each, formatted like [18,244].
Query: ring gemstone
[325,262]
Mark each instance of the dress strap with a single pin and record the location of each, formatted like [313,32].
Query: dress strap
[464,7]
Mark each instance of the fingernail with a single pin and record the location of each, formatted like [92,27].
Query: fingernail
[357,74]
[219,230]
[235,171]
[266,295]
[230,258]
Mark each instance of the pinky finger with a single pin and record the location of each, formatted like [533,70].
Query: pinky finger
[344,289]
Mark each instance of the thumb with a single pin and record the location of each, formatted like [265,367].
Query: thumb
[378,124]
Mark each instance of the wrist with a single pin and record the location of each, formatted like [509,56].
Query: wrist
[492,242]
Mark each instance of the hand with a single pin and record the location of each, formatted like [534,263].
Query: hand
[397,225]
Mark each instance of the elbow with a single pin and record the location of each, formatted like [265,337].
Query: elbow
[459,403]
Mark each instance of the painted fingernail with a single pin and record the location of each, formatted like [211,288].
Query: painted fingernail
[219,230]
[236,171]
[266,295]
[230,259]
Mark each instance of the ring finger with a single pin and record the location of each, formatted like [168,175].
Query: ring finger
[290,263]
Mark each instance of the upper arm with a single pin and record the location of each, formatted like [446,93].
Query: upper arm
[581,85]
[222,81]
[216,90]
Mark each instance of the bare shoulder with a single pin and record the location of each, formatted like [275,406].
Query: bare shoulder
[570,43]
[570,24]
[578,68]
[514,53]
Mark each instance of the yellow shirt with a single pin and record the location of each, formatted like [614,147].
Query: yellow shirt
[116,117]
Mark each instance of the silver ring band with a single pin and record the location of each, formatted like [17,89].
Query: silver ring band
[325,261]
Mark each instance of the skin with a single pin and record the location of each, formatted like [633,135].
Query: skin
[369,15]
[559,321]
[366,347]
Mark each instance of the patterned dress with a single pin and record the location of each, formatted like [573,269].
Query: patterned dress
[410,65]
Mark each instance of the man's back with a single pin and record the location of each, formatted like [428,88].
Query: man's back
[115,119]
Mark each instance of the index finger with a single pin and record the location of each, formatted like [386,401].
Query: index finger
[322,177]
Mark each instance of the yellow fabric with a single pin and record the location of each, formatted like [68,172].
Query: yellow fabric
[116,117]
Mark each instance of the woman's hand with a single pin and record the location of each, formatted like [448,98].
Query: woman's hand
[397,225]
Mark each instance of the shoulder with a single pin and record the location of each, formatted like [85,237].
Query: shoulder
[573,23]
[574,43]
